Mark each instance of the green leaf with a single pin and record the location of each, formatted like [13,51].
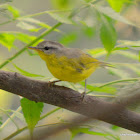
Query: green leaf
[112,14]
[36,22]
[117,4]
[114,127]
[31,111]
[0,120]
[89,31]
[26,38]
[120,48]
[7,40]
[67,39]
[63,4]
[35,29]
[14,11]
[44,25]
[97,52]
[26,26]
[30,20]
[26,73]
[106,89]
[61,18]
[75,131]
[130,44]
[108,35]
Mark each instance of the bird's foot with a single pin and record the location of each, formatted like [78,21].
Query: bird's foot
[83,95]
[50,84]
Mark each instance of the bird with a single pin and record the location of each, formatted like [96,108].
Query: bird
[67,64]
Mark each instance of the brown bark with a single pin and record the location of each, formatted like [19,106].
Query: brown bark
[67,98]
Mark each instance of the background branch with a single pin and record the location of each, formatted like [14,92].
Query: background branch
[64,97]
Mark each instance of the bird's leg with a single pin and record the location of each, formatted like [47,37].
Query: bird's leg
[50,84]
[84,93]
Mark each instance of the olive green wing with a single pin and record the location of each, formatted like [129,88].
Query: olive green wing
[81,61]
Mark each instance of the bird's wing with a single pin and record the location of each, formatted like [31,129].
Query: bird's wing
[80,60]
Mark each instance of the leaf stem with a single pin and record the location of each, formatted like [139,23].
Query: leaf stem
[15,133]
[41,36]
[51,112]
[44,12]
[113,82]
[31,135]
[11,117]
[118,81]
[30,44]
[32,15]
[24,128]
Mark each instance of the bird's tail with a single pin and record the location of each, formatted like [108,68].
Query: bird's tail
[104,65]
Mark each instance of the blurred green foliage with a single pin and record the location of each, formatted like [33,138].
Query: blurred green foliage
[31,111]
[100,23]
[63,4]
[0,120]
[108,34]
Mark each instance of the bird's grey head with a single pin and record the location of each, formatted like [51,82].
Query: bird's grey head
[50,47]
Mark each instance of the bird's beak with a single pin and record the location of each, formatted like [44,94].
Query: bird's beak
[33,48]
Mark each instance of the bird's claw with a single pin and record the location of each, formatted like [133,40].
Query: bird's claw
[83,95]
[50,84]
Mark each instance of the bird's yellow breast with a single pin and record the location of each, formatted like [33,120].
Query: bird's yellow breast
[70,69]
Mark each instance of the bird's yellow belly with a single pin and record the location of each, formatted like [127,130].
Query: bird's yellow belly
[69,69]
[66,73]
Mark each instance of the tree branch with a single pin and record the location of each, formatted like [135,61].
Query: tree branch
[64,97]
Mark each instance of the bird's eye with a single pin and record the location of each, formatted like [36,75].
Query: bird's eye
[46,48]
